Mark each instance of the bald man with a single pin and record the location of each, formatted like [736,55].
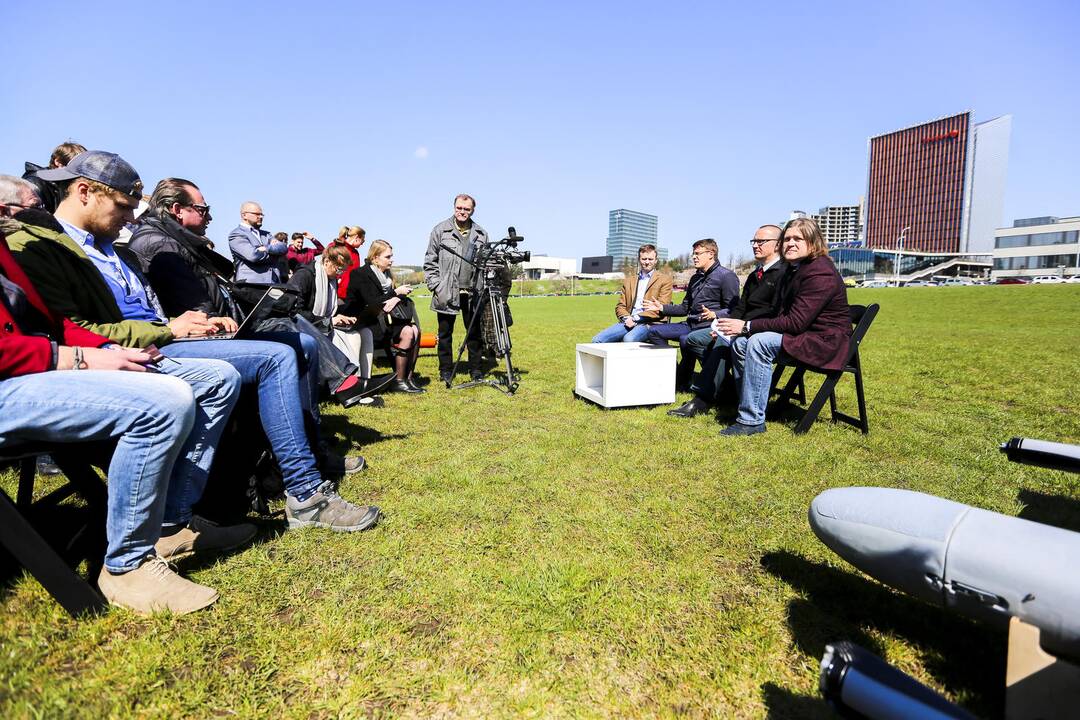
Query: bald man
[256,254]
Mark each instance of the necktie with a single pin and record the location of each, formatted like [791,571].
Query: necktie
[759,273]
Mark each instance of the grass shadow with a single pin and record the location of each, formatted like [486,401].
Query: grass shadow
[267,529]
[781,704]
[1056,510]
[966,658]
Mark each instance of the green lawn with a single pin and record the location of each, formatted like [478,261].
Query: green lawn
[542,557]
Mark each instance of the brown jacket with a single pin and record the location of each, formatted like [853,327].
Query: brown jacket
[659,288]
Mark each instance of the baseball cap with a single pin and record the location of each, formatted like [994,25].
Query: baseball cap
[104,167]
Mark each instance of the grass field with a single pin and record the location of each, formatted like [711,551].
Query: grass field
[542,557]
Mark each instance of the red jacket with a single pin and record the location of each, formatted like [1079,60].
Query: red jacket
[22,354]
[343,281]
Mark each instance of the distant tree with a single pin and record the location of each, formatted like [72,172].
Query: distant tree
[679,262]
[516,271]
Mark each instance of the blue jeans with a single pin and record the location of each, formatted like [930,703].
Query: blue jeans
[714,354]
[618,332]
[752,360]
[307,363]
[272,367]
[149,416]
[216,385]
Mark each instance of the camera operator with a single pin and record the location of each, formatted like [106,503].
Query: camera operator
[451,281]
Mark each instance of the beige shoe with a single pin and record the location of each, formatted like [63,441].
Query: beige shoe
[154,587]
[202,535]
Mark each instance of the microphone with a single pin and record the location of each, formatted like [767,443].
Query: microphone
[1042,453]
[511,233]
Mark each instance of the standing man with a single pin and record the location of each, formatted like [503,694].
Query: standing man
[712,292]
[255,252]
[298,255]
[758,300]
[634,319]
[450,280]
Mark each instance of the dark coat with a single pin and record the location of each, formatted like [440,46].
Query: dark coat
[303,282]
[716,289]
[759,298]
[365,299]
[183,270]
[813,315]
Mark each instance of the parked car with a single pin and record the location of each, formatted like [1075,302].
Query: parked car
[1047,280]
[1073,279]
[920,283]
[1012,281]
[874,284]
[953,281]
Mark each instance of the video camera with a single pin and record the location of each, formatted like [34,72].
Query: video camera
[503,252]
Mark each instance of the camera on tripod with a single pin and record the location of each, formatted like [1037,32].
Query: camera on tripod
[505,251]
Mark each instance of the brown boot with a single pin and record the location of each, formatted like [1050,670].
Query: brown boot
[154,587]
[202,535]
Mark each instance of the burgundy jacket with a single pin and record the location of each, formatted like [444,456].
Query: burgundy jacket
[814,316]
[20,353]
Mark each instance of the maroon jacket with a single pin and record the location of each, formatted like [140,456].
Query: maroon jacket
[296,259]
[22,354]
[813,315]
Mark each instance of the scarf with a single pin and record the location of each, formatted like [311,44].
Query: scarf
[325,292]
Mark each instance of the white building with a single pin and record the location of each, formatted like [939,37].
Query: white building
[1038,246]
[984,194]
[839,223]
[542,267]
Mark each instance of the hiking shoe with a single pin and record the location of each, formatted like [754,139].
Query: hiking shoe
[154,587]
[202,535]
[334,464]
[329,510]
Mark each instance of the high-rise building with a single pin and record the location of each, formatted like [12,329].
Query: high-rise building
[627,231]
[840,224]
[943,180]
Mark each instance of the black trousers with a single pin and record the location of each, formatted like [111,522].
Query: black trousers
[474,341]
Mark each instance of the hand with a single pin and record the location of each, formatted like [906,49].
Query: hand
[628,322]
[390,304]
[261,248]
[654,306]
[224,324]
[730,326]
[404,290]
[343,320]
[191,324]
[115,358]
[707,314]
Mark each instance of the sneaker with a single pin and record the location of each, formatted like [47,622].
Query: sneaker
[329,510]
[154,587]
[334,464]
[202,535]
[739,429]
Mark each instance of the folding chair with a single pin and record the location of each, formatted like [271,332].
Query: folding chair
[21,524]
[861,317]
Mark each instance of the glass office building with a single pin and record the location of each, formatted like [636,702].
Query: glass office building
[628,230]
[863,263]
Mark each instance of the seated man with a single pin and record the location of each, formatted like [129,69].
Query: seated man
[712,292]
[85,280]
[757,300]
[148,416]
[634,319]
[256,253]
[216,387]
[812,325]
[185,274]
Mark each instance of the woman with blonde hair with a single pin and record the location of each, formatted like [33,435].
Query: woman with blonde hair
[388,311]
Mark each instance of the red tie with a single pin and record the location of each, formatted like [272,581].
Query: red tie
[759,273]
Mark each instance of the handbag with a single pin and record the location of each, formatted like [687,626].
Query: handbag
[403,312]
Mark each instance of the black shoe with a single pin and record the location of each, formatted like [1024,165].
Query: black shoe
[349,398]
[690,408]
[446,376]
[404,387]
[738,429]
[377,383]
[476,375]
[411,382]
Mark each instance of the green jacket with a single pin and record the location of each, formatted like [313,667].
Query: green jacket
[72,287]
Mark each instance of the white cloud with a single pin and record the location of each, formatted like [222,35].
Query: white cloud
[420,153]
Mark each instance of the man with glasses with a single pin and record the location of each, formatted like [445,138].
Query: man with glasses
[646,284]
[256,253]
[712,293]
[757,300]
[450,280]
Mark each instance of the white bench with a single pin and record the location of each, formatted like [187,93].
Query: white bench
[621,374]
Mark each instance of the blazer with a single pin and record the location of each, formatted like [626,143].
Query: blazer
[22,353]
[659,289]
[252,264]
[365,300]
[759,297]
[813,315]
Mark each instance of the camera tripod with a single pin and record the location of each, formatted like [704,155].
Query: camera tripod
[489,309]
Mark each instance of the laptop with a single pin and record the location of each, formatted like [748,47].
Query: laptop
[260,312]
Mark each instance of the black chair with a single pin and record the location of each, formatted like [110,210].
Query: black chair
[24,523]
[861,317]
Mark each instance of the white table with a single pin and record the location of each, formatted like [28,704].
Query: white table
[621,374]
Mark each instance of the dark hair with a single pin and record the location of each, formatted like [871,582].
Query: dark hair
[171,191]
[709,244]
[647,247]
[298,236]
[64,153]
[281,236]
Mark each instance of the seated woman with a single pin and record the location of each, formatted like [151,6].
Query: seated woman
[812,325]
[317,283]
[371,298]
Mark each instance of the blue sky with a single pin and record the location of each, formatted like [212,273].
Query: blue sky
[715,116]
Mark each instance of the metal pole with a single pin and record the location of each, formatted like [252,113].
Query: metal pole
[899,248]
